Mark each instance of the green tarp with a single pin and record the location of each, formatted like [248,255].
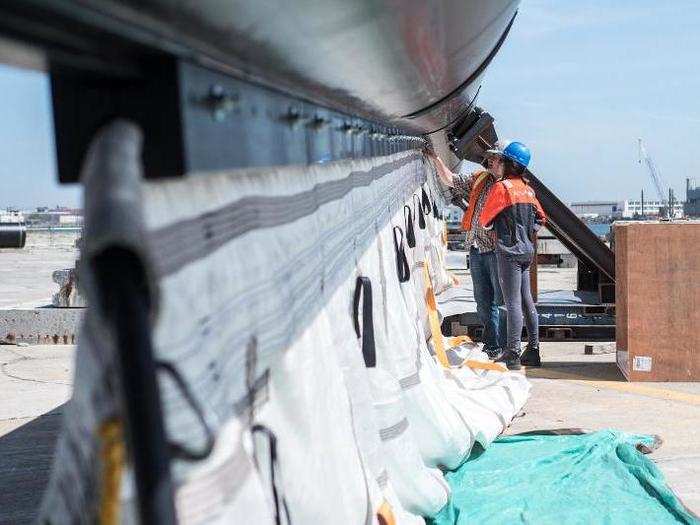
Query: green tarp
[562,479]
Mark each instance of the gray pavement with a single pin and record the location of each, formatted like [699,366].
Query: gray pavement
[573,390]
[25,273]
[35,382]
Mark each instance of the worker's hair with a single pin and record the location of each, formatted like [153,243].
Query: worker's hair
[512,168]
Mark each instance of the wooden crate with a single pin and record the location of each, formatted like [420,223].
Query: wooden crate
[657,266]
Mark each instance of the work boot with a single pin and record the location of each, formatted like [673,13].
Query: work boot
[492,353]
[510,358]
[531,356]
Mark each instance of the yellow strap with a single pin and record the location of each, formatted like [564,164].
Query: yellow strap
[433,319]
[385,514]
[481,365]
[112,455]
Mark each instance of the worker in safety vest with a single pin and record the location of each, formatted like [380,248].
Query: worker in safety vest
[482,258]
[514,213]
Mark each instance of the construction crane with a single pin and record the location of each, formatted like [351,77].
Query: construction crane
[656,179]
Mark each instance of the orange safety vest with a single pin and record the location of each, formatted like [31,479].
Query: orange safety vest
[509,192]
[477,188]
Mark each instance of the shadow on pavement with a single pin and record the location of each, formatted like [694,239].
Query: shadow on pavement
[26,455]
[581,371]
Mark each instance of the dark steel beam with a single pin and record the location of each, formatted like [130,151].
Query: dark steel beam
[573,232]
[474,134]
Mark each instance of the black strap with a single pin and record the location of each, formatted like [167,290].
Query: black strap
[419,208]
[178,450]
[279,501]
[363,288]
[425,201]
[402,268]
[410,233]
[436,214]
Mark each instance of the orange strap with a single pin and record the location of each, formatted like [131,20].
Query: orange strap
[458,340]
[385,514]
[433,319]
[481,365]
[436,332]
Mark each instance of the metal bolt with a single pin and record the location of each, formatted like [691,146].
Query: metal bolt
[220,103]
[293,118]
[318,123]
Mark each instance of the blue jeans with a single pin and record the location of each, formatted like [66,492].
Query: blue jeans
[487,293]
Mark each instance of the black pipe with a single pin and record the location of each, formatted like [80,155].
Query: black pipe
[13,234]
[126,303]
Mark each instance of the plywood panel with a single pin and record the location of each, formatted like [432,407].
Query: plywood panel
[658,300]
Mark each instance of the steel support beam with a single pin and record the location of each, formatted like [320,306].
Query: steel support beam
[573,232]
[469,140]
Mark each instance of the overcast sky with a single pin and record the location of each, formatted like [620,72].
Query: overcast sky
[578,81]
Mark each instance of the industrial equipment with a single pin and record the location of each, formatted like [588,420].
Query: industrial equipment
[667,207]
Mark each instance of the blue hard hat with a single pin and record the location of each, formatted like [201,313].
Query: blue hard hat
[518,153]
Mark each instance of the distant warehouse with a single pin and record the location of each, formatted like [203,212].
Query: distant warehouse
[622,209]
[692,199]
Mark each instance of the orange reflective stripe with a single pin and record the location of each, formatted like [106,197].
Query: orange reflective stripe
[385,514]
